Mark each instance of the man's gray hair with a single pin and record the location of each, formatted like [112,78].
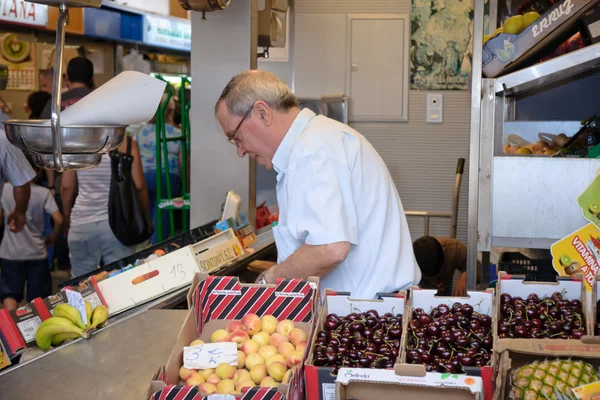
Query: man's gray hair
[246,88]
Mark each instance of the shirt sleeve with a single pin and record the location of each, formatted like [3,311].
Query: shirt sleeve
[321,208]
[50,205]
[15,166]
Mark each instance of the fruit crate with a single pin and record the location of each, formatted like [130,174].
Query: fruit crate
[510,361]
[320,380]
[215,302]
[478,309]
[515,263]
[506,53]
[541,325]
[405,382]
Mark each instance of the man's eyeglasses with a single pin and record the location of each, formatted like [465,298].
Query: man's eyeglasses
[233,139]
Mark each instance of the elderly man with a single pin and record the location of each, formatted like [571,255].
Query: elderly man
[340,216]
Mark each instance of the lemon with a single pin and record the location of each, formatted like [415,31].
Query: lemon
[530,17]
[486,38]
[498,31]
[514,25]
[524,150]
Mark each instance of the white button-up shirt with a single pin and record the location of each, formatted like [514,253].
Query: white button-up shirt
[332,186]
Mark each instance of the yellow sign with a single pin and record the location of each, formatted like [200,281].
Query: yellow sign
[4,360]
[588,392]
[578,253]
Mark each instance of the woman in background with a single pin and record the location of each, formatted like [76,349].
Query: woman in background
[146,140]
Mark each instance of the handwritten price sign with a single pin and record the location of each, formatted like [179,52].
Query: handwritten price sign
[210,355]
[74,299]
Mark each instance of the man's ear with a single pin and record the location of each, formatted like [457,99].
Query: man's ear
[263,112]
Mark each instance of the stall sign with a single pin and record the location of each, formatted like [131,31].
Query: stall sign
[23,12]
[578,253]
[220,255]
[172,33]
[102,23]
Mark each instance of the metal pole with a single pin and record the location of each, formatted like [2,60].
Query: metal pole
[460,169]
[476,76]
[63,19]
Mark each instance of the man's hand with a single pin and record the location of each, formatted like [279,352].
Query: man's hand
[16,221]
[461,286]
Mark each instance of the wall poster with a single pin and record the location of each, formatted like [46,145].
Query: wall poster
[441,42]
[18,56]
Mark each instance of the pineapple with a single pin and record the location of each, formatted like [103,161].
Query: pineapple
[542,380]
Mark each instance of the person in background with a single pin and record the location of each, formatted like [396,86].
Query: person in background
[46,81]
[79,81]
[16,169]
[439,258]
[146,140]
[340,215]
[23,255]
[36,102]
[91,240]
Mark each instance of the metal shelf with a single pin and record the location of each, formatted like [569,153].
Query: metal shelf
[549,72]
[520,202]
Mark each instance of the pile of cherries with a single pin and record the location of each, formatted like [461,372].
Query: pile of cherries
[534,318]
[449,338]
[364,340]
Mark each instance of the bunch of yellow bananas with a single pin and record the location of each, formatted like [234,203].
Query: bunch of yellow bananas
[66,324]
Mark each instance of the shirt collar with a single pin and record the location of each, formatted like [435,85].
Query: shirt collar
[282,155]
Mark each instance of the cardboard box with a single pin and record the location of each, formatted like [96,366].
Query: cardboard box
[320,383]
[510,360]
[18,328]
[217,300]
[507,52]
[482,302]
[572,288]
[45,307]
[149,281]
[407,381]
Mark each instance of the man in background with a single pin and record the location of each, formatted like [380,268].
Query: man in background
[439,259]
[80,81]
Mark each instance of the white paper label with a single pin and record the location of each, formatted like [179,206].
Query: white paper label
[328,391]
[176,269]
[221,397]
[29,328]
[94,300]
[74,299]
[210,355]
[594,29]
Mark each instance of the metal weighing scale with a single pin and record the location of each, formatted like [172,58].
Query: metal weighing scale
[57,147]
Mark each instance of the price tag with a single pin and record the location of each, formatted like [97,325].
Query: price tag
[210,355]
[176,269]
[74,299]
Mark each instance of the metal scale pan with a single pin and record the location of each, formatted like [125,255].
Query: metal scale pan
[59,147]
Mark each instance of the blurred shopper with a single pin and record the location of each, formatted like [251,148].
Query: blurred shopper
[91,240]
[146,140]
[439,259]
[36,102]
[23,255]
[79,81]
[46,80]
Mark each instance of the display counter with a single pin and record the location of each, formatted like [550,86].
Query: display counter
[115,363]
